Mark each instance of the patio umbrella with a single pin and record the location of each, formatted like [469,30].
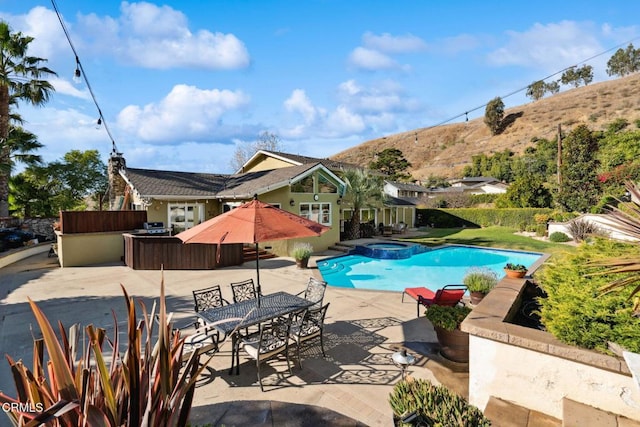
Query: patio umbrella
[252,222]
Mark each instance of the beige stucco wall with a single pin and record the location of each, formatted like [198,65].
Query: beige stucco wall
[266,163]
[540,381]
[320,243]
[90,248]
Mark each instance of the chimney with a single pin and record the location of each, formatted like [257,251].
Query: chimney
[117,184]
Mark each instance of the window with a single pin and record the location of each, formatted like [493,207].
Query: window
[326,186]
[318,212]
[183,216]
[305,185]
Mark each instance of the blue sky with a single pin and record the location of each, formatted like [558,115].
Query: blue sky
[182,84]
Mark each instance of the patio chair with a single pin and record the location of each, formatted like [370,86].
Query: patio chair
[448,295]
[308,327]
[243,291]
[314,292]
[205,299]
[271,340]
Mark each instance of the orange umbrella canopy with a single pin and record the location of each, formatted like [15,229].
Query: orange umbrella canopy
[252,222]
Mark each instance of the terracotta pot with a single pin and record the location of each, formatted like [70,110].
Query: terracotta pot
[515,274]
[454,345]
[475,297]
[302,263]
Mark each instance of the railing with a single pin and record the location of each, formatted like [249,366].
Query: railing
[101,221]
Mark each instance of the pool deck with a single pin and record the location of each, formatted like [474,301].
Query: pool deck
[348,387]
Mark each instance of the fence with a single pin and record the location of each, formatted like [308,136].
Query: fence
[72,222]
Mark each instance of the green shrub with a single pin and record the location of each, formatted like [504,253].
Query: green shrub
[575,311]
[541,230]
[480,280]
[421,403]
[518,218]
[301,250]
[559,237]
[445,317]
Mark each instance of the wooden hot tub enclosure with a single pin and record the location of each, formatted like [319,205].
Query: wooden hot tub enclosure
[145,252]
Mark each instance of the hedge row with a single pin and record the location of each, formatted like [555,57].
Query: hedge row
[519,218]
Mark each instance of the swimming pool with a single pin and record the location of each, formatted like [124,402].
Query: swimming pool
[432,269]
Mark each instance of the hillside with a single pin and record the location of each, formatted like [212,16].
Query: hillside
[445,150]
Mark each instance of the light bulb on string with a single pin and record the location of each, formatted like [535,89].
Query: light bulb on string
[99,123]
[77,74]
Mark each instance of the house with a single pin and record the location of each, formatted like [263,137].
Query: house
[181,200]
[479,185]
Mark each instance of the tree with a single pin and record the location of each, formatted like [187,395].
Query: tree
[363,190]
[392,163]
[576,76]
[624,62]
[579,187]
[493,115]
[527,192]
[266,141]
[61,185]
[21,79]
[536,90]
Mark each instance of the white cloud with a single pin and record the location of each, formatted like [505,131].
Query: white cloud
[65,87]
[369,59]
[550,47]
[185,114]
[366,110]
[393,44]
[376,50]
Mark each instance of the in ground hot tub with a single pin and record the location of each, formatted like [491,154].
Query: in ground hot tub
[389,250]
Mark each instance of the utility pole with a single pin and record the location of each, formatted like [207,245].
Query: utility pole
[559,160]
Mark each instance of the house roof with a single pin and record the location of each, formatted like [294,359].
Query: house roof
[473,180]
[158,183]
[302,160]
[188,185]
[250,183]
[408,186]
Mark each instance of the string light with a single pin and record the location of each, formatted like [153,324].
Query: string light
[77,74]
[80,73]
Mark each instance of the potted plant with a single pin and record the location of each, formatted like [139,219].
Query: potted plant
[479,281]
[454,344]
[301,252]
[418,402]
[515,271]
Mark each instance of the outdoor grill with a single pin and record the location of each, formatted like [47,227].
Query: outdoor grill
[153,228]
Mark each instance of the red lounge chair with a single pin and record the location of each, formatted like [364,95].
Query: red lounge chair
[449,295]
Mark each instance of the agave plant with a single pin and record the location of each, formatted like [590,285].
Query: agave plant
[146,385]
[626,219]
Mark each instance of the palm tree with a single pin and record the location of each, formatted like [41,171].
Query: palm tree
[626,219]
[363,190]
[20,80]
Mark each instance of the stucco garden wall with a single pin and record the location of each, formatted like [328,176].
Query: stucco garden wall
[531,368]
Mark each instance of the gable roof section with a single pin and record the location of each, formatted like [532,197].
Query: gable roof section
[247,184]
[158,184]
[298,160]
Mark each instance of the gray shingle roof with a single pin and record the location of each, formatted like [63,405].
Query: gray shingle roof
[156,183]
[149,182]
[250,183]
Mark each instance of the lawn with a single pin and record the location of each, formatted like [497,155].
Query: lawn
[494,237]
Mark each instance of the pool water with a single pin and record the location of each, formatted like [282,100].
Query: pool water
[432,269]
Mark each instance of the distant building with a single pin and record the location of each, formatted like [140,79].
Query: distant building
[479,185]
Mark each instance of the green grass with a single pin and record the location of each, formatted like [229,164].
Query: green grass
[493,237]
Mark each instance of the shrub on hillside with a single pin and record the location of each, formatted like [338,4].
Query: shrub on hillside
[559,237]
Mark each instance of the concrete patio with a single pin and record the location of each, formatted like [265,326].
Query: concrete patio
[363,329]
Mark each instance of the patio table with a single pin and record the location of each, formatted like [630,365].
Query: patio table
[271,306]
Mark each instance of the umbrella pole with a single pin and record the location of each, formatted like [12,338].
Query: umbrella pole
[259,288]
